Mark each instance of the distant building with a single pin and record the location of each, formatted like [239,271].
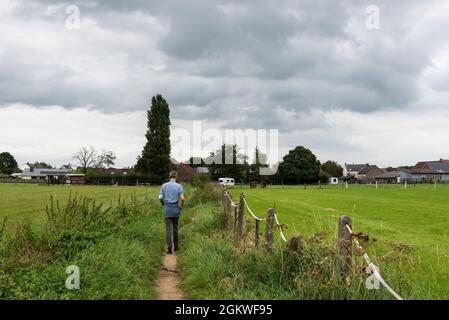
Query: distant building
[185,172]
[414,175]
[115,171]
[67,166]
[353,169]
[441,165]
[76,178]
[38,172]
[201,170]
[369,172]
[389,177]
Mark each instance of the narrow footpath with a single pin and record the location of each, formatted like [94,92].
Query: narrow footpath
[168,281]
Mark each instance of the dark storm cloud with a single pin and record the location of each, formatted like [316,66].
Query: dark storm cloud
[218,59]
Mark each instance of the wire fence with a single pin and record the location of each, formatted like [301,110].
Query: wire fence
[345,236]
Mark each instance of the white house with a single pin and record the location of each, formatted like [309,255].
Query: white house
[353,169]
[38,172]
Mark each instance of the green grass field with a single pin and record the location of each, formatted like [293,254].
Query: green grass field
[117,246]
[411,227]
[21,202]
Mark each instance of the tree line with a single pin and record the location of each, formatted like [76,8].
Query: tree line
[299,166]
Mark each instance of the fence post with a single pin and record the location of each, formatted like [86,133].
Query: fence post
[344,245]
[295,244]
[228,213]
[239,231]
[236,211]
[257,232]
[269,229]
[223,200]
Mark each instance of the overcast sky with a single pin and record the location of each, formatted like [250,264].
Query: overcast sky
[313,69]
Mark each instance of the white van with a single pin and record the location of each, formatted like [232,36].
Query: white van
[226,181]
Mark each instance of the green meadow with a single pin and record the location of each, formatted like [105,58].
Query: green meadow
[22,202]
[408,229]
[405,232]
[114,235]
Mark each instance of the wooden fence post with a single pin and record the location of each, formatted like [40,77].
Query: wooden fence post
[228,213]
[295,244]
[269,229]
[344,245]
[239,230]
[236,211]
[257,232]
[223,201]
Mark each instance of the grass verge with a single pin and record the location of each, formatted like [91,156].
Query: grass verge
[213,268]
[117,249]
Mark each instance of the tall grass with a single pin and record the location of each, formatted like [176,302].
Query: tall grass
[213,268]
[117,249]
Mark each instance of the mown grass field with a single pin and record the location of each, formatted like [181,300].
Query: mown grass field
[20,202]
[410,227]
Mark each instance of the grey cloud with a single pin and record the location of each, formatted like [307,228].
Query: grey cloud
[220,59]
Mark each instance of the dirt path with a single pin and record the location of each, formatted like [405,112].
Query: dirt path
[168,280]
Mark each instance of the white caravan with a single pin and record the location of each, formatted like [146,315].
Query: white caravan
[226,181]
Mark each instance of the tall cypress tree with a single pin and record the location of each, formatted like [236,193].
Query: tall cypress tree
[155,158]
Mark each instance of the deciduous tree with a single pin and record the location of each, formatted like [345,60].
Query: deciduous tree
[8,163]
[300,165]
[332,168]
[91,158]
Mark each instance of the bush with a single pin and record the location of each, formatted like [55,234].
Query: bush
[200,180]
[205,194]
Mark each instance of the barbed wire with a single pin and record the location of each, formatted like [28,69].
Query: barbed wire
[372,268]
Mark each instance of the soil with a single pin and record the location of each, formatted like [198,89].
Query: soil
[168,281]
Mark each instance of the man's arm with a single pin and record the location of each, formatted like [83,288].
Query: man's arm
[161,196]
[182,199]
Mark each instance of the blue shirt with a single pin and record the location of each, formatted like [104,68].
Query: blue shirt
[170,192]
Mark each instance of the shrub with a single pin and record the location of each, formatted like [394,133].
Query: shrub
[200,180]
[205,194]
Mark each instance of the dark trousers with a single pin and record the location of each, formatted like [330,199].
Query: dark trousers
[171,231]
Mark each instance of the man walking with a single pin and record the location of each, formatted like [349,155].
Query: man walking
[172,198]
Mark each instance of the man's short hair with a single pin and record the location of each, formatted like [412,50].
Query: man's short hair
[172,174]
